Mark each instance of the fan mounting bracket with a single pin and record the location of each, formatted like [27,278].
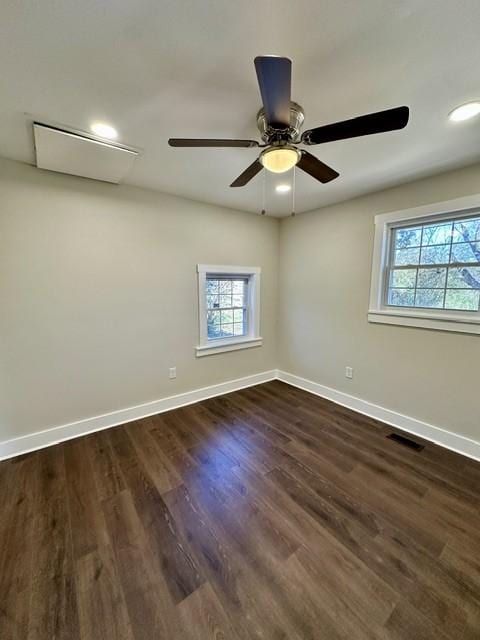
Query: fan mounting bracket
[272,134]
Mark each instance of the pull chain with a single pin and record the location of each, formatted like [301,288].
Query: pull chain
[293,193]
[264,191]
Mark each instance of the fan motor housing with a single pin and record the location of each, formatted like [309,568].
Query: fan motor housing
[271,134]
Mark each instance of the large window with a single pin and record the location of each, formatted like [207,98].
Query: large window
[426,267]
[436,265]
[229,308]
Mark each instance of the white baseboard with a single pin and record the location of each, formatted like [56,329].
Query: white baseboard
[454,442]
[48,437]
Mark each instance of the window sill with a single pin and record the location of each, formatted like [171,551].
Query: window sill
[408,318]
[221,346]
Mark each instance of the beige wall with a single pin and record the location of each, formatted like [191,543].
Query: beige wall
[98,299]
[98,295]
[325,265]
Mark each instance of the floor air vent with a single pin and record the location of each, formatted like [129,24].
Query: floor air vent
[405,441]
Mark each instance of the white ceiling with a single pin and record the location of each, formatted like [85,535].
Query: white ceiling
[185,68]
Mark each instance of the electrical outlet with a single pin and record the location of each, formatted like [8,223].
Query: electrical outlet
[172,373]
[349,372]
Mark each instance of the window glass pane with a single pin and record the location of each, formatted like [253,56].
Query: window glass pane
[238,286]
[406,256]
[437,234]
[403,278]
[212,302]
[464,277]
[435,255]
[408,237]
[214,331]
[213,317]
[225,286]
[431,278]
[238,329]
[213,325]
[212,286]
[238,301]
[227,330]
[225,301]
[226,316]
[462,300]
[466,230]
[466,252]
[238,315]
[429,298]
[401,297]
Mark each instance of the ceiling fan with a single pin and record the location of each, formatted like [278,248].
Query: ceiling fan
[280,121]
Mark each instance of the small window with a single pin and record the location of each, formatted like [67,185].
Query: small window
[426,268]
[229,311]
[227,306]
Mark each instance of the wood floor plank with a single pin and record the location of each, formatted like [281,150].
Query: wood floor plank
[101,605]
[472,630]
[228,578]
[107,474]
[86,519]
[436,594]
[439,466]
[162,474]
[225,433]
[180,569]
[463,564]
[201,616]
[394,509]
[264,514]
[150,608]
[16,550]
[406,623]
[256,531]
[334,617]
[53,609]
[240,570]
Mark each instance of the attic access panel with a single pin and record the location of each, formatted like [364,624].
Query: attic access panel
[77,155]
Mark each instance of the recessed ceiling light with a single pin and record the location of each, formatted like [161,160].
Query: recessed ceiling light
[282,188]
[104,130]
[465,112]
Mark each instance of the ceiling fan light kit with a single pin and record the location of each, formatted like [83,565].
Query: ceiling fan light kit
[280,122]
[279,159]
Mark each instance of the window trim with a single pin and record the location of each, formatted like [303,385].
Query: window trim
[208,347]
[378,312]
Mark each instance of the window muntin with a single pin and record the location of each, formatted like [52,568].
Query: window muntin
[435,265]
[227,306]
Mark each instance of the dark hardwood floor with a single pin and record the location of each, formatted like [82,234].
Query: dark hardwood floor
[268,513]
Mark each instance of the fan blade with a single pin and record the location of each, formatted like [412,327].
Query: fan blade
[379,122]
[249,173]
[317,169]
[275,79]
[207,142]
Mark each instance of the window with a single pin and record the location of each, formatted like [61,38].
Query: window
[426,267]
[226,306]
[229,308]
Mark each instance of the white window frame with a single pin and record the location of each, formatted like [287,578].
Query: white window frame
[444,320]
[208,347]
